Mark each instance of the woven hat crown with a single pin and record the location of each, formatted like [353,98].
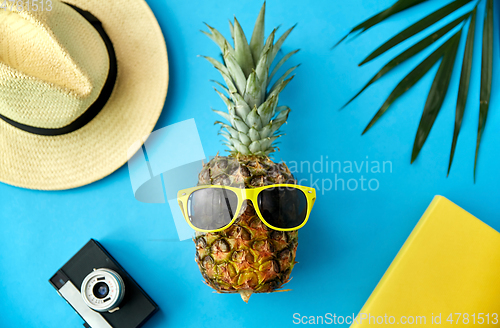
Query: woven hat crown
[53,65]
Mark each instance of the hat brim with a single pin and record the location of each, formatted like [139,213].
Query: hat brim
[102,146]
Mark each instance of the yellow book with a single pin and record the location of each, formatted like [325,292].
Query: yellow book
[446,274]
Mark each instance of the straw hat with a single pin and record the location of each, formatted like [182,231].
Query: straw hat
[79,85]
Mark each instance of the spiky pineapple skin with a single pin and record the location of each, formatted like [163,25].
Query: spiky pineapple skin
[248,257]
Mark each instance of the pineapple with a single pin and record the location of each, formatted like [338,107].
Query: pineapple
[248,257]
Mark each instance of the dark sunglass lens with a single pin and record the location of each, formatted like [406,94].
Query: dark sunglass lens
[212,208]
[283,207]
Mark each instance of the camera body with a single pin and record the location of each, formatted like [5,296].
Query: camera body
[101,291]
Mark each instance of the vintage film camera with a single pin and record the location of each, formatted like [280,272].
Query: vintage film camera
[101,291]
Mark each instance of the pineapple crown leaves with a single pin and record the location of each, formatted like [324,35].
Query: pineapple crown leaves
[253,113]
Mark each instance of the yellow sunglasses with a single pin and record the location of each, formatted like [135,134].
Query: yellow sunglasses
[282,207]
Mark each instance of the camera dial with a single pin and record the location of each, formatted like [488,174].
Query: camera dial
[103,290]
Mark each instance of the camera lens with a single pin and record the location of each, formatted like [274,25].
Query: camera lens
[101,290]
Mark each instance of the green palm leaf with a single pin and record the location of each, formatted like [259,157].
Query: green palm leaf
[394,9]
[442,80]
[436,96]
[463,89]
[486,76]
[411,79]
[416,28]
[412,51]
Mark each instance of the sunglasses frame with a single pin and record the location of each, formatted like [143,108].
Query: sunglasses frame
[245,194]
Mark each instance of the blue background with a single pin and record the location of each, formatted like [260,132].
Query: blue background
[352,236]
